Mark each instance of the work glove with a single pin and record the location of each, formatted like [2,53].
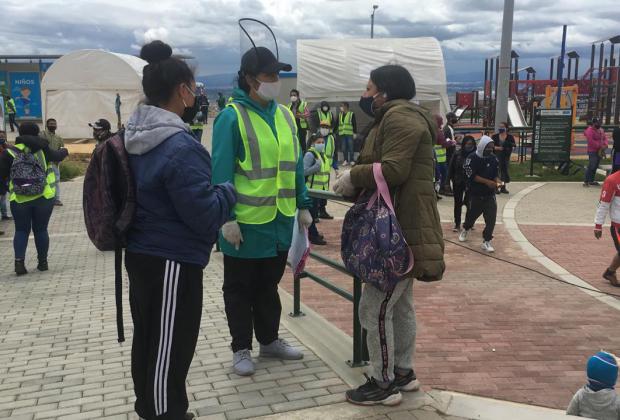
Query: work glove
[304,218]
[343,185]
[232,233]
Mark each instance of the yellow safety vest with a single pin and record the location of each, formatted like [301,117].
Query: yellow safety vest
[440,153]
[345,124]
[11,109]
[330,148]
[265,179]
[319,180]
[302,109]
[325,116]
[49,191]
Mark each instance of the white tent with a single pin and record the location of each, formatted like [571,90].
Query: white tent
[338,69]
[81,87]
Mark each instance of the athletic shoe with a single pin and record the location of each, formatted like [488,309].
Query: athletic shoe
[611,277]
[372,394]
[7,218]
[58,203]
[585,184]
[456,229]
[280,349]
[20,268]
[595,183]
[407,382]
[317,240]
[486,246]
[42,265]
[325,215]
[242,363]
[463,235]
[503,190]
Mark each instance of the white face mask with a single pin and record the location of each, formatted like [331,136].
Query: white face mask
[320,147]
[324,131]
[268,90]
[325,109]
[341,109]
[294,98]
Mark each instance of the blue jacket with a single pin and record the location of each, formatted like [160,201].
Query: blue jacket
[179,211]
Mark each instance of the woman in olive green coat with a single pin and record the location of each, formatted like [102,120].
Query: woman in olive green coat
[402,141]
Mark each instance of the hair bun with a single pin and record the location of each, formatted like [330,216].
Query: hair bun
[155,52]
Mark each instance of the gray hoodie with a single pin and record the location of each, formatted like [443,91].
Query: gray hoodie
[149,126]
[600,405]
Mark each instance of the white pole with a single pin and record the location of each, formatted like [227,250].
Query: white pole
[503,78]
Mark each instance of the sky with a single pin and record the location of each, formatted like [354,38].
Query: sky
[469,30]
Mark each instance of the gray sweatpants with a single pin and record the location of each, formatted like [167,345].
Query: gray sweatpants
[389,319]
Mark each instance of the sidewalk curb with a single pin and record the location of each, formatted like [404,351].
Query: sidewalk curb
[510,221]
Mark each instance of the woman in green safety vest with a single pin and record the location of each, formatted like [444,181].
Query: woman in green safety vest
[31,207]
[255,146]
[299,108]
[317,172]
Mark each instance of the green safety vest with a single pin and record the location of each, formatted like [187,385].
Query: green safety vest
[10,110]
[49,191]
[319,180]
[330,148]
[230,100]
[302,109]
[265,179]
[196,125]
[325,116]
[345,124]
[440,152]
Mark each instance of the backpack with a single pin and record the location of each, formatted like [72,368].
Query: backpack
[109,201]
[28,175]
[373,246]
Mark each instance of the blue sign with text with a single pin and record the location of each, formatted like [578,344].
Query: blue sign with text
[26,91]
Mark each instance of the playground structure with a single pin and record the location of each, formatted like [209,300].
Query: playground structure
[594,94]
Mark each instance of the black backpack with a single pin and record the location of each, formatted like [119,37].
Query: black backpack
[109,200]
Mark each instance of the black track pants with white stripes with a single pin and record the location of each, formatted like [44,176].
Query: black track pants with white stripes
[166,306]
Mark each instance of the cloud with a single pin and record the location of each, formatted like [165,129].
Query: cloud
[469,30]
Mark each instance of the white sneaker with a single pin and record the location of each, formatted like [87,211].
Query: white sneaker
[463,235]
[242,363]
[280,349]
[345,163]
[486,246]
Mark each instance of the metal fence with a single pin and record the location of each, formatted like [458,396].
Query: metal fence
[360,351]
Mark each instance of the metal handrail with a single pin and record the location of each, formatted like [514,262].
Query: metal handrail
[360,350]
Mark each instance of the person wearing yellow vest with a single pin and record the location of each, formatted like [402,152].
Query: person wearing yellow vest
[9,105]
[197,126]
[347,129]
[317,171]
[300,110]
[330,158]
[31,210]
[255,146]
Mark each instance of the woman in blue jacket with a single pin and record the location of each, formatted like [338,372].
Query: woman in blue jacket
[179,212]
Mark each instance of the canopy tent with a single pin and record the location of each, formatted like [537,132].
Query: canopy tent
[338,69]
[81,87]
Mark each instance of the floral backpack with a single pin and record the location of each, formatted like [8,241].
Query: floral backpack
[373,246]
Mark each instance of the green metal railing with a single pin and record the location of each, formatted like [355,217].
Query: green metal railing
[360,351]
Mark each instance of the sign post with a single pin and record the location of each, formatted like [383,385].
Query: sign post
[552,136]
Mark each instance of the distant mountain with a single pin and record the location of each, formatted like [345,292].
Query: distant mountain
[218,81]
[465,77]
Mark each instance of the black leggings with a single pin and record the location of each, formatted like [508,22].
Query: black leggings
[461,196]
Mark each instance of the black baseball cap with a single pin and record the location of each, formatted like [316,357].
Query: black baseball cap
[101,124]
[261,60]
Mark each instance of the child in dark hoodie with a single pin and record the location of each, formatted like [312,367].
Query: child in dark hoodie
[456,174]
[178,215]
[598,398]
[31,213]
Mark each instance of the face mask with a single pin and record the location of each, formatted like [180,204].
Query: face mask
[325,108]
[189,113]
[51,129]
[294,98]
[341,109]
[324,131]
[487,152]
[453,122]
[502,130]
[320,147]
[469,148]
[366,103]
[268,91]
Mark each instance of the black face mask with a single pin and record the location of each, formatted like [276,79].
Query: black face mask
[366,103]
[487,152]
[190,112]
[51,129]
[469,148]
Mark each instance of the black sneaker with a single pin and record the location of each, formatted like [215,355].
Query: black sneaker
[20,268]
[407,382]
[595,183]
[42,265]
[325,215]
[317,240]
[7,218]
[372,394]
[585,184]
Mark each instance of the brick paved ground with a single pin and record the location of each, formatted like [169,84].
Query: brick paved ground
[59,358]
[541,331]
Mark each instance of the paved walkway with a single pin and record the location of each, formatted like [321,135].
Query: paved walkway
[59,358]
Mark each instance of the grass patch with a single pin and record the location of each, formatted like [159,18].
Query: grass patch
[74,166]
[519,172]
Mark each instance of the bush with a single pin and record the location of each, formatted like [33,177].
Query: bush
[70,170]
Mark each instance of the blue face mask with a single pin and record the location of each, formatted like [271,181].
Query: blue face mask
[320,147]
[502,130]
